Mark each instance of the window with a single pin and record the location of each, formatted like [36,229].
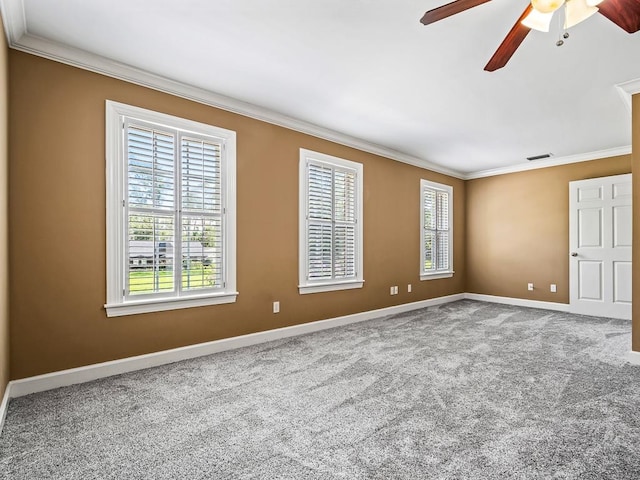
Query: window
[170,212]
[436,222]
[330,223]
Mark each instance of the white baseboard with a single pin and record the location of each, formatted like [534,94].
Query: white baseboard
[49,381]
[87,373]
[4,405]
[633,358]
[40,383]
[518,302]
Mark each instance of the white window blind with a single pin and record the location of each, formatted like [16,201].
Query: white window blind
[178,211]
[151,209]
[436,237]
[331,223]
[202,214]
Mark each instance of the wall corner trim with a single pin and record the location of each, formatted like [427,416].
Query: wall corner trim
[519,302]
[633,358]
[15,21]
[4,406]
[627,90]
[63,378]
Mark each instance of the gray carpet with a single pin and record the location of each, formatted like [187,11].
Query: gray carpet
[464,390]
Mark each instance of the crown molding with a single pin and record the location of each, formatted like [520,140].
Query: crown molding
[627,90]
[14,19]
[551,162]
[20,39]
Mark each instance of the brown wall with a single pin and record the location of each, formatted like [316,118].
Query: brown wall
[4,249]
[57,227]
[509,229]
[518,229]
[635,129]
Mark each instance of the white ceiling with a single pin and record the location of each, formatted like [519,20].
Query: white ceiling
[367,69]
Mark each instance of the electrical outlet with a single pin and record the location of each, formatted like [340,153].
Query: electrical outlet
[390,290]
[395,290]
[530,286]
[276,307]
[553,288]
[409,288]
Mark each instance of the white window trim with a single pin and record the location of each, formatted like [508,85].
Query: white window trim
[115,174]
[442,273]
[305,286]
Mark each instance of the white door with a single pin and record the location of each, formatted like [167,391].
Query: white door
[600,246]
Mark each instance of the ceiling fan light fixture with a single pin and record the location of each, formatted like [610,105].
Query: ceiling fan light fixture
[538,21]
[577,11]
[546,6]
[624,13]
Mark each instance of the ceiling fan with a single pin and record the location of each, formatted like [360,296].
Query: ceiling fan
[537,16]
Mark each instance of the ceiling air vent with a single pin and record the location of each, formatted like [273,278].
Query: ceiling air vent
[540,157]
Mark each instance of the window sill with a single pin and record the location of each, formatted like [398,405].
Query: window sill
[329,287]
[161,305]
[436,276]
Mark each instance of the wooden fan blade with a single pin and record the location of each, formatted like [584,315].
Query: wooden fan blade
[624,13]
[510,43]
[450,9]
